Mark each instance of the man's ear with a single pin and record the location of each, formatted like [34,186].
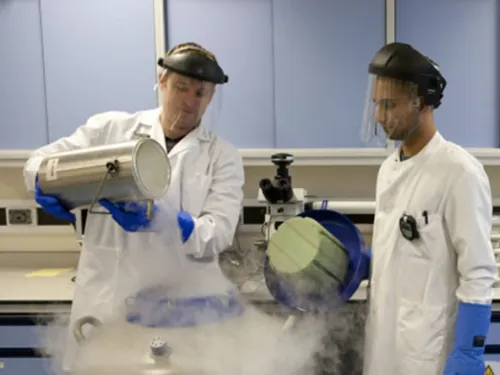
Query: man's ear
[162,78]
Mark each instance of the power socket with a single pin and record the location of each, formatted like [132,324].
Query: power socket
[20,216]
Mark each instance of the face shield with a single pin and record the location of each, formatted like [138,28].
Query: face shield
[392,111]
[191,92]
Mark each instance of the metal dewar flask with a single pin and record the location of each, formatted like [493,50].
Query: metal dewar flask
[156,360]
[136,170]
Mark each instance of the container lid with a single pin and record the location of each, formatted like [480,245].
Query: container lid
[151,168]
[303,245]
[288,290]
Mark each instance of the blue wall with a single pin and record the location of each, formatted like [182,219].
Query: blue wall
[321,51]
[317,52]
[298,69]
[239,32]
[463,37]
[63,61]
[22,84]
[98,56]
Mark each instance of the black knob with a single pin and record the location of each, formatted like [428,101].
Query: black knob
[282,159]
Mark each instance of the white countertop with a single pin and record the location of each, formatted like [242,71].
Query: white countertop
[55,285]
[23,285]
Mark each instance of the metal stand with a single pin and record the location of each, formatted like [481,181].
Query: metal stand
[112,168]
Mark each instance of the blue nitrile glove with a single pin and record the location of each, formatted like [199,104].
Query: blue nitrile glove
[186,225]
[132,217]
[467,356]
[52,205]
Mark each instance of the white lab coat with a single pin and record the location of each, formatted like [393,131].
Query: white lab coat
[416,286]
[207,181]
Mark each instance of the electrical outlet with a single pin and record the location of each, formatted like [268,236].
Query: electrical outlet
[20,216]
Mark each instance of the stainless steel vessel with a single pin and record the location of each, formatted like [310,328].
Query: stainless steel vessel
[252,343]
[136,170]
[155,361]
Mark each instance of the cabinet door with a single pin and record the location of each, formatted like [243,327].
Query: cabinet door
[23,119]
[462,37]
[494,362]
[240,35]
[25,366]
[321,54]
[99,56]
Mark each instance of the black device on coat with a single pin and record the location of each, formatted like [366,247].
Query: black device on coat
[408,227]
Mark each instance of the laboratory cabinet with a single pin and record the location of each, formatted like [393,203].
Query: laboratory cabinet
[492,352]
[21,337]
[494,331]
[493,360]
[25,366]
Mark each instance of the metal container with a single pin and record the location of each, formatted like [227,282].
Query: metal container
[154,361]
[136,170]
[252,343]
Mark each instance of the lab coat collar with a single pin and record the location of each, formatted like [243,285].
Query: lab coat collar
[428,149]
[396,172]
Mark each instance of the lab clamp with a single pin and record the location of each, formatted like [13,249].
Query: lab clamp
[283,202]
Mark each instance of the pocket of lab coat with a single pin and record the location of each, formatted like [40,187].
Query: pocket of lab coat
[195,192]
[431,240]
[420,259]
[421,330]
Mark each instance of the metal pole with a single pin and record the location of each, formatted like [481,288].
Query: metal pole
[390,37]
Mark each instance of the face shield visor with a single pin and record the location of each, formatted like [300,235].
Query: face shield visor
[392,111]
[190,91]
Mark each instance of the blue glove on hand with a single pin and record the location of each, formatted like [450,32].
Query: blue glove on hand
[186,225]
[52,205]
[467,356]
[132,217]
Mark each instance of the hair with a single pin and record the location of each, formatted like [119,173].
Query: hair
[191,48]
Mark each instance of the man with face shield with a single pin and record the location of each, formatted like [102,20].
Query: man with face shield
[433,266]
[196,219]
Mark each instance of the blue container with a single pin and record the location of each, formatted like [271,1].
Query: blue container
[358,268]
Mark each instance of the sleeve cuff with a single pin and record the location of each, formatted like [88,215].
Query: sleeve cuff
[31,172]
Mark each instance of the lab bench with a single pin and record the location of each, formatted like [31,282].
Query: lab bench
[28,300]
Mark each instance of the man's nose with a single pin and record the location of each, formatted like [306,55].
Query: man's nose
[191,99]
[380,114]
